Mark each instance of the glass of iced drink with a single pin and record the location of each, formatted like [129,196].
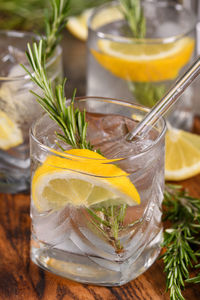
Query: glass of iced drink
[18,108]
[96,216]
[141,70]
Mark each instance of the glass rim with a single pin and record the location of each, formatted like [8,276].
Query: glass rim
[108,100]
[21,34]
[130,40]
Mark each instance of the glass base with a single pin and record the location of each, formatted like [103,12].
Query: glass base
[95,270]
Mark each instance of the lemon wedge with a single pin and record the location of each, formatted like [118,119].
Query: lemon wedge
[182,155]
[144,62]
[10,134]
[82,180]
[78,25]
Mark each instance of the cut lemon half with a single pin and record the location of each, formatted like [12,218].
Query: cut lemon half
[10,134]
[182,155]
[82,180]
[144,62]
[78,25]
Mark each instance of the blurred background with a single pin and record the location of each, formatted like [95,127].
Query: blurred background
[28,15]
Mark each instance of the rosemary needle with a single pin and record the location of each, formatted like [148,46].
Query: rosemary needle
[181,239]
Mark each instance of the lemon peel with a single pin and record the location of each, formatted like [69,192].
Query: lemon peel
[82,180]
[182,155]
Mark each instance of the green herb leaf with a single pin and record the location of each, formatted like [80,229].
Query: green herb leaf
[72,123]
[147,93]
[183,212]
[55,23]
[134,15]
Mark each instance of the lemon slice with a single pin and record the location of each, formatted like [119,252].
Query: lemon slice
[78,25]
[10,134]
[83,180]
[182,155]
[144,62]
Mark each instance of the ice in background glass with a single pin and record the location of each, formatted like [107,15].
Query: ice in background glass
[139,69]
[70,193]
[18,108]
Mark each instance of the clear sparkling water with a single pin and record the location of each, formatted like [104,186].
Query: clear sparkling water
[68,243]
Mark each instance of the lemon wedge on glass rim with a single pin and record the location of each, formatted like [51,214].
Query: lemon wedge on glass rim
[144,62]
[82,180]
[10,134]
[182,159]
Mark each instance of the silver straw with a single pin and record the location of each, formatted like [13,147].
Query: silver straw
[167,101]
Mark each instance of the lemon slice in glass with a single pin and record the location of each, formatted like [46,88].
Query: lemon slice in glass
[182,155]
[82,180]
[144,62]
[10,134]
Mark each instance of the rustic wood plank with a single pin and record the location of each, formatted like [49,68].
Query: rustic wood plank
[14,280]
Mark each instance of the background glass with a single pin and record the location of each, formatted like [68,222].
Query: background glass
[18,108]
[65,238]
[120,66]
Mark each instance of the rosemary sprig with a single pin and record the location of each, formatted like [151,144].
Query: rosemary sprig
[146,93]
[109,220]
[55,24]
[134,15]
[180,239]
[71,121]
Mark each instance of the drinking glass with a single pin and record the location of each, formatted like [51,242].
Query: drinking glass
[87,222]
[18,108]
[141,70]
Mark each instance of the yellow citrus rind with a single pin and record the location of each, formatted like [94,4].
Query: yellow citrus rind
[10,134]
[182,155]
[144,62]
[82,180]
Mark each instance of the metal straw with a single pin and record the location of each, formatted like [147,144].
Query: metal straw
[167,101]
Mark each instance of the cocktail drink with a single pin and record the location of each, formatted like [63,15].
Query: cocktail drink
[96,215]
[18,108]
[141,70]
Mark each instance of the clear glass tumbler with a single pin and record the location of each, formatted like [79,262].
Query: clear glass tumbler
[141,70]
[18,108]
[96,216]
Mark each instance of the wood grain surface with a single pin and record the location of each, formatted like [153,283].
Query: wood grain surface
[21,279]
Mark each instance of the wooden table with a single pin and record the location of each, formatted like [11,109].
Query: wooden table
[23,280]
